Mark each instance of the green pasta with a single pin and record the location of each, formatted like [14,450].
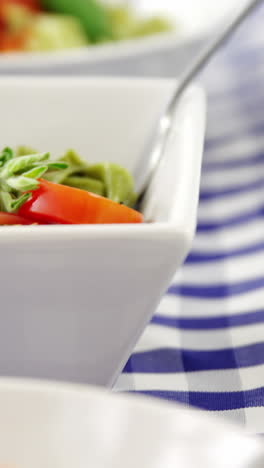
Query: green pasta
[85,183]
[104,179]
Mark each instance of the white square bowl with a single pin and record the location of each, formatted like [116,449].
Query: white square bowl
[75,299]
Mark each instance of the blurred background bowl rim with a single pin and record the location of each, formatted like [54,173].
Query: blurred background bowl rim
[101,53]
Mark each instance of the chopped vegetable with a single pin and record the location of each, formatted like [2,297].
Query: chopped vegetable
[7,7]
[46,25]
[54,32]
[56,203]
[17,17]
[126,24]
[123,21]
[10,42]
[91,14]
[154,25]
[73,191]
[24,150]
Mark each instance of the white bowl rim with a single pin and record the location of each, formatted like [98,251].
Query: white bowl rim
[54,388]
[145,406]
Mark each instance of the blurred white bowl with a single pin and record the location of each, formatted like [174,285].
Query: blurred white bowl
[63,426]
[161,55]
[75,299]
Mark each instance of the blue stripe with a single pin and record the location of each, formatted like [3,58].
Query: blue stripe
[204,226]
[172,360]
[210,323]
[213,401]
[234,190]
[218,291]
[201,257]
[248,161]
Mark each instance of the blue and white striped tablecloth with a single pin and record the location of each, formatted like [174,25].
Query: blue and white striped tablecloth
[205,344]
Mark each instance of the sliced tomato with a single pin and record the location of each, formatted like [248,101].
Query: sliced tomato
[10,218]
[55,203]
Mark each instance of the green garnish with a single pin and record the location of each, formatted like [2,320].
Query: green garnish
[19,174]
[24,150]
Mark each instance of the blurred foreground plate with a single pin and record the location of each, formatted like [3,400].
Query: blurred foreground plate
[64,426]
